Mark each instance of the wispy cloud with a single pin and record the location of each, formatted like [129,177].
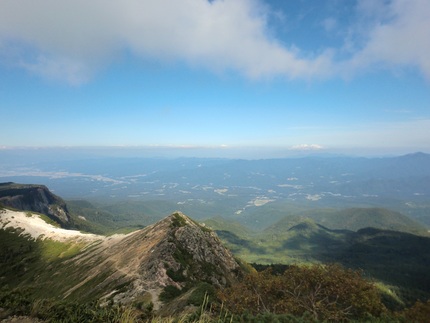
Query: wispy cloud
[73,39]
[72,71]
[307,147]
[400,37]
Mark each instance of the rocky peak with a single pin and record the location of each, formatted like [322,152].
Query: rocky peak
[36,198]
[200,253]
[175,251]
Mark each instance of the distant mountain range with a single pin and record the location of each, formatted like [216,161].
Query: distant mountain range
[256,193]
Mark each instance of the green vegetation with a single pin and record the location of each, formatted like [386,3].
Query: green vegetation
[44,266]
[178,221]
[18,255]
[313,294]
[352,219]
[20,302]
[89,218]
[326,292]
[301,294]
[53,250]
[393,258]
[169,293]
[203,291]
[177,275]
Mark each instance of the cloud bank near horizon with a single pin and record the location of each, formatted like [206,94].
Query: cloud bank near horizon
[73,40]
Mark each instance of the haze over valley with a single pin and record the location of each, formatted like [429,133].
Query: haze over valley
[256,193]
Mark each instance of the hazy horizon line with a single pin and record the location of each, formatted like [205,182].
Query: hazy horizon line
[221,151]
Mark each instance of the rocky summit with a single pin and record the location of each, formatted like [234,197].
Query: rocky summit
[176,251]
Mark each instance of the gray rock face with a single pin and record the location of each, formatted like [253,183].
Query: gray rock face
[175,251]
[208,259]
[36,198]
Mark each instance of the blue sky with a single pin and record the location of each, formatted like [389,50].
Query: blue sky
[217,76]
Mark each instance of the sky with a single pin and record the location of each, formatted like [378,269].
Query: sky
[220,76]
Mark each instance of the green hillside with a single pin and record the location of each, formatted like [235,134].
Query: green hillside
[353,219]
[394,258]
[358,218]
[219,223]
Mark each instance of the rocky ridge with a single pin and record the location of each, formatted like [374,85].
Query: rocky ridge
[175,251]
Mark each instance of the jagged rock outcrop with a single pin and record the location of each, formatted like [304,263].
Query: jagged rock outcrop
[36,198]
[175,251]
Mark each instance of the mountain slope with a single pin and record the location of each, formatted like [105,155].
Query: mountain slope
[175,252]
[358,218]
[171,252]
[395,258]
[352,219]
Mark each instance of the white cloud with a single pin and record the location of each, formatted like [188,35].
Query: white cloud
[71,40]
[78,36]
[402,40]
[307,147]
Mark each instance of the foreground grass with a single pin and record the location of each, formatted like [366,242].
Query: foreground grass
[20,303]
